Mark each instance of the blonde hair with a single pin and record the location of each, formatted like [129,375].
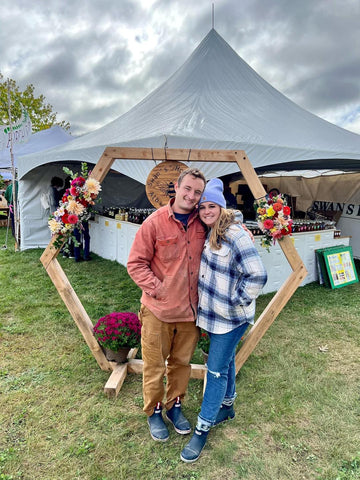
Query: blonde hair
[218,231]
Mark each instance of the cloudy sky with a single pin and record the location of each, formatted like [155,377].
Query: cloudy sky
[95,59]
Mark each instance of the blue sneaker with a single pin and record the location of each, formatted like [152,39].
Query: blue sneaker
[158,429]
[177,418]
[191,452]
[225,413]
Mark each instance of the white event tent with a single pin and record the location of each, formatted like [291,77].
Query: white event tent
[37,142]
[213,101]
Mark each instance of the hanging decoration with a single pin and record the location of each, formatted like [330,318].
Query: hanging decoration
[273,217]
[75,205]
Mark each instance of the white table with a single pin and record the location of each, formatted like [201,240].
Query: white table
[112,239]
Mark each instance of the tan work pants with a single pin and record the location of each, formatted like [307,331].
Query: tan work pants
[160,342]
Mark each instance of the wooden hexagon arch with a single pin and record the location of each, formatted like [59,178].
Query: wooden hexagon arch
[81,318]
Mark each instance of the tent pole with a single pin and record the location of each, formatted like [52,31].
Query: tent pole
[14,193]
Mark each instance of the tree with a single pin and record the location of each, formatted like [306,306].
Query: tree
[41,114]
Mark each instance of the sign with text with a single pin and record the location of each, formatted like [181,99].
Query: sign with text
[160,184]
[21,132]
[337,266]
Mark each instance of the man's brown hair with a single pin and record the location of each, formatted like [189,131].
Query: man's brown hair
[195,172]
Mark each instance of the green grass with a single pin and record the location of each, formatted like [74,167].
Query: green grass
[297,411]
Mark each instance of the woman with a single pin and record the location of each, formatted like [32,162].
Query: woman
[231,277]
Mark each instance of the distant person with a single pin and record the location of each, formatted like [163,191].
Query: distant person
[55,193]
[231,276]
[82,236]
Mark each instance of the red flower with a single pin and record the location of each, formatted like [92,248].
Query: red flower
[65,218]
[78,182]
[73,191]
[83,202]
[277,207]
[268,224]
[286,230]
[73,219]
[278,234]
[287,210]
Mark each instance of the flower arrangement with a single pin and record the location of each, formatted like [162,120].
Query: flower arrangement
[118,329]
[75,205]
[273,217]
[204,341]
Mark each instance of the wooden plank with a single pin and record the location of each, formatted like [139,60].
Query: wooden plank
[77,311]
[268,316]
[132,353]
[287,246]
[198,371]
[177,154]
[50,252]
[116,380]
[103,166]
[135,366]
[248,172]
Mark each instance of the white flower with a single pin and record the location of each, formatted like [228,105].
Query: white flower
[92,186]
[75,207]
[55,226]
[59,212]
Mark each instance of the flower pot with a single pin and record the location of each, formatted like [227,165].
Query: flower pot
[120,356]
[205,356]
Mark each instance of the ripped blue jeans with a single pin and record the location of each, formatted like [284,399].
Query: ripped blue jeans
[221,376]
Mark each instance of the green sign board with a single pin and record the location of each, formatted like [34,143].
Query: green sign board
[336,266]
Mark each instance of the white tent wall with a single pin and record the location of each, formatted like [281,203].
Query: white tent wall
[34,231]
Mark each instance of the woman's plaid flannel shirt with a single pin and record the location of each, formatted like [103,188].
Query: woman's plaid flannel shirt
[230,279]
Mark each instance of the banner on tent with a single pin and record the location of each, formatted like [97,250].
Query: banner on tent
[348,209]
[21,131]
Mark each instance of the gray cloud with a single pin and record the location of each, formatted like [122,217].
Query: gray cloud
[95,60]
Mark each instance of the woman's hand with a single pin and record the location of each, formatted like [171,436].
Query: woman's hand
[248,231]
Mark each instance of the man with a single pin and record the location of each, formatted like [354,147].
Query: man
[164,262]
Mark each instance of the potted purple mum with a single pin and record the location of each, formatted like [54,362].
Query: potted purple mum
[117,333]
